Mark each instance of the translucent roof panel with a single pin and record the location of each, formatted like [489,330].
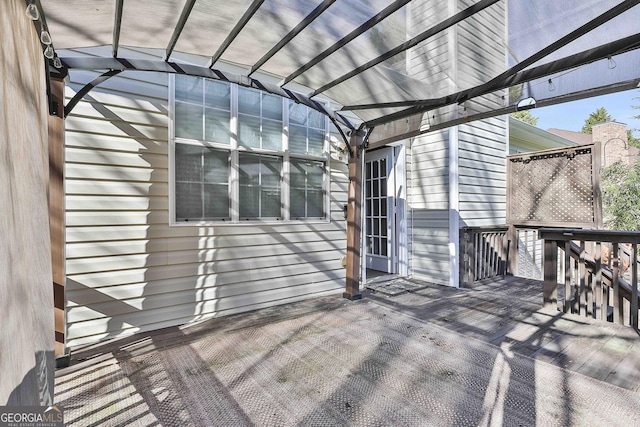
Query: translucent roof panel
[535,25]
[153,29]
[409,64]
[272,22]
[481,47]
[342,18]
[79,23]
[371,44]
[209,23]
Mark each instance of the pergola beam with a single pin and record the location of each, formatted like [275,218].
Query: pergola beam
[586,57]
[117,23]
[286,39]
[458,17]
[376,19]
[117,65]
[248,14]
[87,88]
[182,21]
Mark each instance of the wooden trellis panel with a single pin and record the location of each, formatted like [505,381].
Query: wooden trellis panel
[559,187]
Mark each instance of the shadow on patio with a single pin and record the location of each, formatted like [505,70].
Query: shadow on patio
[436,356]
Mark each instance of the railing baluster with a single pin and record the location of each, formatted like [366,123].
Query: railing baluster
[534,249]
[480,250]
[634,286]
[601,309]
[495,252]
[526,254]
[490,251]
[568,290]
[582,272]
[484,255]
[476,264]
[550,287]
[590,284]
[591,287]
[617,306]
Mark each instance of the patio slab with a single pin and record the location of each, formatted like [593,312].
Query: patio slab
[436,356]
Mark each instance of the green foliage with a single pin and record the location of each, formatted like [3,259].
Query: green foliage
[633,141]
[620,196]
[525,116]
[599,116]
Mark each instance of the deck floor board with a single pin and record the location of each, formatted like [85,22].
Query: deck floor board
[490,355]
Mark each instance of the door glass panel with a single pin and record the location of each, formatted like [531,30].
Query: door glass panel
[376,207]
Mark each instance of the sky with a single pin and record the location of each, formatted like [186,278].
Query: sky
[571,115]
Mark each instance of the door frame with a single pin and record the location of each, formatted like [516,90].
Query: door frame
[397,223]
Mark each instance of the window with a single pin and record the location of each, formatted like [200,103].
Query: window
[307,188]
[260,195]
[241,155]
[201,183]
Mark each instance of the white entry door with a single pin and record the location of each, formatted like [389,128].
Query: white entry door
[380,211]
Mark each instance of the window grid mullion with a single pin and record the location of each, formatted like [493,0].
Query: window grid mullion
[285,196]
[234,176]
[202,204]
[260,186]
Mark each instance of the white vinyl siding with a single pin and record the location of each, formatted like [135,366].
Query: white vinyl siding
[128,269]
[483,172]
[429,204]
[480,177]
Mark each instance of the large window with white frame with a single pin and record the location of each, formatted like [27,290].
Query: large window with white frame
[240,155]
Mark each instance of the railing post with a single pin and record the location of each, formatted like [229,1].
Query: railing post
[550,289]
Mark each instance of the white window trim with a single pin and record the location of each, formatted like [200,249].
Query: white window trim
[234,173]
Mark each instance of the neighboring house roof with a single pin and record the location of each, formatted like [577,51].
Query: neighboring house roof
[577,137]
[524,138]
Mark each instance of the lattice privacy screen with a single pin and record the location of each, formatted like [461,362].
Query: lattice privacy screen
[555,188]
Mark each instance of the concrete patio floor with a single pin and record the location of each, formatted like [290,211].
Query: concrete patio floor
[435,356]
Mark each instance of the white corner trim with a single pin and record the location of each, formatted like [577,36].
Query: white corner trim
[454,205]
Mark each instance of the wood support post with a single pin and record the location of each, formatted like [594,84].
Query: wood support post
[354,217]
[56,211]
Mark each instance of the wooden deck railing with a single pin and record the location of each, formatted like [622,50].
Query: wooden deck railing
[484,253]
[600,273]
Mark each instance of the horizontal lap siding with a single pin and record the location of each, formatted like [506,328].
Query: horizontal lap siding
[429,204]
[128,270]
[428,186]
[482,145]
[482,173]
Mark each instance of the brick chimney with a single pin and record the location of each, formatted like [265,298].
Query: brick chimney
[613,139]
